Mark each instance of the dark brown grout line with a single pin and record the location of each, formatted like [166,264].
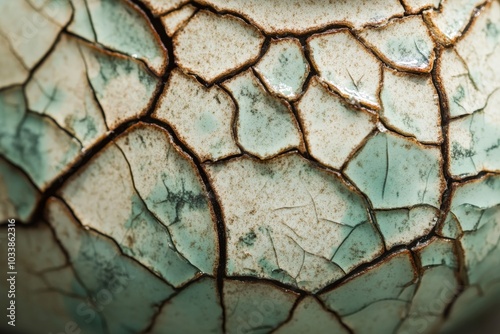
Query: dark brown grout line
[290,314]
[335,314]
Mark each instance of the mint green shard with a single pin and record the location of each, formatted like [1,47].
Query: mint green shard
[475,140]
[310,315]
[110,22]
[34,142]
[437,252]
[277,211]
[450,227]
[265,125]
[396,172]
[117,209]
[18,196]
[115,282]
[195,309]
[476,205]
[173,191]
[403,226]
[437,288]
[60,89]
[255,307]
[387,280]
[284,68]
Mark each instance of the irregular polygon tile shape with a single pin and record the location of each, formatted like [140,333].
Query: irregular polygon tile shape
[115,282]
[387,280]
[448,22]
[404,43]
[174,20]
[196,309]
[382,316]
[416,6]
[60,89]
[226,45]
[405,225]
[308,315]
[474,141]
[283,68]
[81,24]
[450,227]
[18,196]
[298,17]
[344,63]
[201,117]
[44,277]
[395,172]
[153,214]
[34,142]
[437,252]
[437,288]
[476,204]
[172,189]
[463,96]
[255,307]
[410,106]
[265,125]
[159,7]
[12,69]
[276,211]
[31,31]
[112,21]
[123,86]
[333,130]
[470,307]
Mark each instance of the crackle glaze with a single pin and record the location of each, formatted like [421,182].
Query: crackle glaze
[227,166]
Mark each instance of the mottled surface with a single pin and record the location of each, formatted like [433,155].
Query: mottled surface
[213,166]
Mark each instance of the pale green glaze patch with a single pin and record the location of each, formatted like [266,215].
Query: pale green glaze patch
[255,307]
[403,226]
[332,129]
[397,172]
[450,227]
[195,309]
[308,315]
[387,280]
[116,282]
[201,117]
[437,252]
[33,142]
[284,68]
[60,89]
[265,125]
[173,192]
[476,205]
[119,26]
[404,43]
[138,232]
[277,211]
[475,140]
[18,197]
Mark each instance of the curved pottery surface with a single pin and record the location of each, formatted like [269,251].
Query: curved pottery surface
[229,166]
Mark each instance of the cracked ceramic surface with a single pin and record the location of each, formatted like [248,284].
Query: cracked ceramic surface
[274,166]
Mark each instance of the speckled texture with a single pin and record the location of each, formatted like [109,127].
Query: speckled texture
[227,166]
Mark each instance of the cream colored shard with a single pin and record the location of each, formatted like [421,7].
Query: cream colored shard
[226,44]
[332,129]
[159,7]
[298,17]
[201,117]
[410,106]
[403,43]
[448,22]
[344,63]
[174,20]
[416,6]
